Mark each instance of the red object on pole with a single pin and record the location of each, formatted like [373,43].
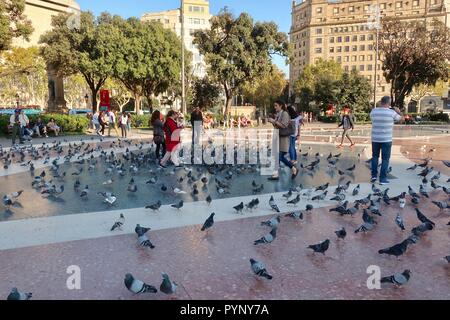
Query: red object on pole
[105,101]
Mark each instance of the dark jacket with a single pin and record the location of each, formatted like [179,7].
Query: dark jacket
[350,121]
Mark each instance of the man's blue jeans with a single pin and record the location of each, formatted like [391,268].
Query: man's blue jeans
[385,148]
[283,159]
[292,150]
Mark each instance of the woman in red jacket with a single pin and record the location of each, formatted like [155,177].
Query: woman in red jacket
[173,136]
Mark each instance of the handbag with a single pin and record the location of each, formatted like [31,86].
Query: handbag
[288,131]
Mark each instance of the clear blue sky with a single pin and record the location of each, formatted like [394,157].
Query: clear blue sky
[278,11]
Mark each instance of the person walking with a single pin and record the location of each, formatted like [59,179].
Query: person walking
[102,122]
[282,122]
[173,136]
[197,125]
[112,123]
[158,134]
[14,121]
[123,121]
[383,119]
[297,120]
[96,122]
[347,124]
[24,122]
[129,123]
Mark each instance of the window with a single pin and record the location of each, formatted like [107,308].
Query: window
[319,31]
[354,38]
[398,4]
[339,39]
[319,10]
[370,37]
[346,68]
[416,3]
[369,68]
[339,49]
[353,68]
[335,10]
[347,39]
[332,40]
[346,49]
[366,8]
[383,89]
[362,38]
[318,50]
[354,48]
[351,9]
[353,58]
[378,66]
[378,77]
[369,57]
[370,47]
[346,59]
[318,40]
[369,77]
[361,67]
[362,47]
[339,59]
[331,49]
[361,58]
[383,6]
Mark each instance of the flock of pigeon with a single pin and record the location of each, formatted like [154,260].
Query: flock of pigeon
[130,163]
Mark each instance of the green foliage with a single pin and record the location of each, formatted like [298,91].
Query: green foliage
[411,56]
[13,23]
[140,121]
[354,92]
[69,124]
[239,51]
[205,94]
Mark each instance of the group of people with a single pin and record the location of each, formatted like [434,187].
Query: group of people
[23,129]
[101,120]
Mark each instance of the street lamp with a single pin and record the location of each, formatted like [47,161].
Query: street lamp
[374,22]
[17,99]
[86,99]
[183,80]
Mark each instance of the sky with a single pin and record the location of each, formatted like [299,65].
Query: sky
[278,11]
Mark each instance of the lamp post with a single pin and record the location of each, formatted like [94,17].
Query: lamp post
[183,80]
[374,22]
[86,99]
[17,100]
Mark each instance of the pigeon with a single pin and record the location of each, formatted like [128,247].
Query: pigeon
[422,228]
[447,258]
[412,193]
[252,204]
[119,223]
[167,286]
[287,195]
[342,209]
[415,200]
[208,200]
[295,200]
[341,233]
[322,187]
[356,190]
[442,205]
[259,269]
[209,222]
[274,222]
[295,214]
[155,206]
[368,218]
[339,197]
[268,238]
[16,295]
[178,205]
[396,250]
[398,278]
[446,162]
[320,196]
[137,286]
[422,217]
[143,240]
[108,197]
[273,204]
[239,207]
[85,192]
[364,227]
[320,247]
[309,207]
[412,168]
[399,222]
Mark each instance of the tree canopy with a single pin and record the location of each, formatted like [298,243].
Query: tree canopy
[238,50]
[413,53]
[205,93]
[13,23]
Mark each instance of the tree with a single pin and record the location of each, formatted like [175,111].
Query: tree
[264,91]
[318,83]
[413,53]
[148,58]
[88,50]
[354,92]
[238,50]
[422,90]
[120,95]
[74,90]
[205,93]
[13,23]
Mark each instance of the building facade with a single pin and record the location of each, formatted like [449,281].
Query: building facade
[196,17]
[339,30]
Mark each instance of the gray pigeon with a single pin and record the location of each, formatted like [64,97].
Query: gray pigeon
[209,222]
[16,295]
[341,233]
[274,222]
[295,214]
[137,286]
[167,286]
[154,206]
[399,221]
[268,238]
[119,223]
[178,205]
[260,269]
[398,278]
[320,247]
[273,205]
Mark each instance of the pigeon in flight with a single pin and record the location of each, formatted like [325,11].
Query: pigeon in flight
[398,278]
[137,286]
[320,247]
[119,223]
[259,269]
[273,205]
[209,222]
[273,223]
[16,295]
[167,286]
[268,238]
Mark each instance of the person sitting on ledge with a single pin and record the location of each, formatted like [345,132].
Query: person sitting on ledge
[52,126]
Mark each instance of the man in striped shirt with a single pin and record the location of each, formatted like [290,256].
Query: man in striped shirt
[383,119]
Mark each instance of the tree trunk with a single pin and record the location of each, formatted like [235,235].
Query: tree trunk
[94,92]
[137,103]
[228,105]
